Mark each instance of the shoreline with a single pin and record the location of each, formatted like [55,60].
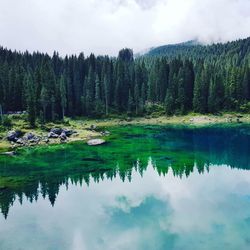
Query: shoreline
[84,131]
[188,120]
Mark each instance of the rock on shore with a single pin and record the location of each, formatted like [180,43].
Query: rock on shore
[95,142]
[10,153]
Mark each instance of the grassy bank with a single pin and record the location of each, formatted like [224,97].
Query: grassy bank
[189,120]
[82,125]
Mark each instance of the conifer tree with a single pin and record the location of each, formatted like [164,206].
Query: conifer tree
[204,79]
[137,99]
[98,101]
[44,99]
[31,101]
[106,94]
[130,102]
[63,96]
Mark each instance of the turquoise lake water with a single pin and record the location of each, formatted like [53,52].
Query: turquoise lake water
[148,188]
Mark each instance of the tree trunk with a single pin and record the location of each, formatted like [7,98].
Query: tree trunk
[44,113]
[1,112]
[106,106]
[63,114]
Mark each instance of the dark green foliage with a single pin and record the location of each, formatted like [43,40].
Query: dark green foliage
[130,103]
[6,121]
[216,93]
[170,103]
[201,89]
[30,99]
[186,77]
[106,86]
[126,55]
[63,96]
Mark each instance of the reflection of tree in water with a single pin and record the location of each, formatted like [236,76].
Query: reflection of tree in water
[180,150]
[215,145]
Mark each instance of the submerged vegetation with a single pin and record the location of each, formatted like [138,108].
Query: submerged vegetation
[84,128]
[42,170]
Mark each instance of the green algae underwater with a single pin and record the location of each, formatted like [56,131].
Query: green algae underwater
[173,153]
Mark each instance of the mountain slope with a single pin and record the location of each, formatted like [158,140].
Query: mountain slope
[195,50]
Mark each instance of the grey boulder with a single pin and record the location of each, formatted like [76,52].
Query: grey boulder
[68,132]
[95,142]
[28,136]
[56,131]
[63,136]
[52,135]
[13,135]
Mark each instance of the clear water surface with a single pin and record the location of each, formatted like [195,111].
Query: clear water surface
[148,188]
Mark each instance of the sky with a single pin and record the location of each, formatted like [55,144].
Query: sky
[105,26]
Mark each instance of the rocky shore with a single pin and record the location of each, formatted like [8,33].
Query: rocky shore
[17,138]
[85,130]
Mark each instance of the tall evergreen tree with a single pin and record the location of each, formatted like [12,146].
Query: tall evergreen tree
[216,93]
[130,102]
[98,101]
[31,99]
[137,99]
[44,98]
[63,96]
[201,79]
[201,92]
[106,94]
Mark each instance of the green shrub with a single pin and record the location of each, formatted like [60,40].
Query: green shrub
[245,108]
[154,108]
[6,122]
[18,117]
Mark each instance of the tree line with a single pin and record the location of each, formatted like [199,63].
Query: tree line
[51,87]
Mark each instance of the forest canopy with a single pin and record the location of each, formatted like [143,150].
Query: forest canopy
[175,79]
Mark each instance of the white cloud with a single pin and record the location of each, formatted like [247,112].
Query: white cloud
[105,26]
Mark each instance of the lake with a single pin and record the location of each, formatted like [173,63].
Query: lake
[147,188]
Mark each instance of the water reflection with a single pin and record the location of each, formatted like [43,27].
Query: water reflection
[36,173]
[209,211]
